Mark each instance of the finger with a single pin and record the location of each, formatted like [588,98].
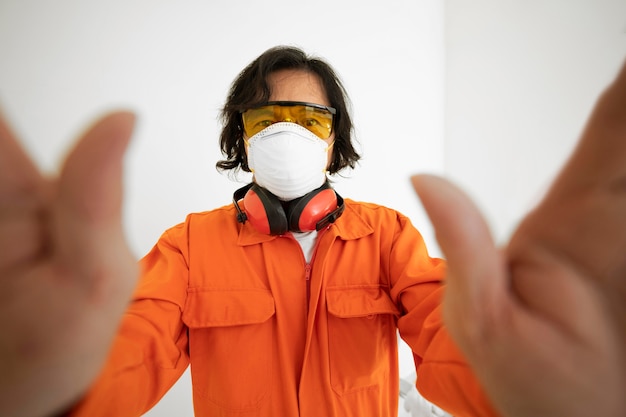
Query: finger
[18,174]
[91,179]
[599,157]
[88,213]
[475,282]
[583,215]
[581,222]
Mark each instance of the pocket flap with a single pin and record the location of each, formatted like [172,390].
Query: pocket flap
[360,301]
[216,308]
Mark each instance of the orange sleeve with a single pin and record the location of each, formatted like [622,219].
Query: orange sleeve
[149,353]
[443,375]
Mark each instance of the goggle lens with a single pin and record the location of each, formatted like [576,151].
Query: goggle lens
[316,118]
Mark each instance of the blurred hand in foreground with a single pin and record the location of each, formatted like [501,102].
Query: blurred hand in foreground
[543,321]
[66,274]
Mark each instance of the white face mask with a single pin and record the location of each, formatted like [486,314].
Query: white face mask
[288,160]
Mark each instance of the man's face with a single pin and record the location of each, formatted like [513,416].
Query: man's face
[298,86]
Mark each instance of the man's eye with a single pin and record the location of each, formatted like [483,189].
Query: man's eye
[264,123]
[311,122]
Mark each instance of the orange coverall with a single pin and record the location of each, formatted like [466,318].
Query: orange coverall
[268,334]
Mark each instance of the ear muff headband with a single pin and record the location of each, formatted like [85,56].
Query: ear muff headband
[313,211]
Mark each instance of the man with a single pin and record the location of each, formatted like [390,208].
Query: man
[550,304]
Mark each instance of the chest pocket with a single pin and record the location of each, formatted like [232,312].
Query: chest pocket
[361,336]
[231,347]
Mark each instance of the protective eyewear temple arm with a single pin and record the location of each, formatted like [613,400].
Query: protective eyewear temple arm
[332,110]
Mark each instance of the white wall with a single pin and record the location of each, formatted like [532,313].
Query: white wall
[521,78]
[63,62]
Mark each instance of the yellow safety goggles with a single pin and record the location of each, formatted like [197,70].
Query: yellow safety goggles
[314,117]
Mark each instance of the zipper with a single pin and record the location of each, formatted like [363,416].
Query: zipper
[308,266]
[307,277]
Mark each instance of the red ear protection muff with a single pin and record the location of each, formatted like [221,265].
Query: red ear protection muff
[265,211]
[304,212]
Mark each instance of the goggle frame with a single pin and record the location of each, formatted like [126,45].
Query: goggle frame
[315,106]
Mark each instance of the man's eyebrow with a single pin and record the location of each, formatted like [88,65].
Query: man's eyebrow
[264,110]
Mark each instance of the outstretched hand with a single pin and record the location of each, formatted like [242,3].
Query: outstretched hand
[543,321]
[66,274]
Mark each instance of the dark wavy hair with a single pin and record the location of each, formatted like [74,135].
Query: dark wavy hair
[251,89]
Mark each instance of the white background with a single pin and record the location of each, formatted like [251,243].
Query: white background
[521,79]
[491,93]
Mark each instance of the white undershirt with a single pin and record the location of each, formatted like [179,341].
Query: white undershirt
[307,242]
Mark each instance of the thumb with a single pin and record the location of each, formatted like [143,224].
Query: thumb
[475,279]
[87,216]
[91,180]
